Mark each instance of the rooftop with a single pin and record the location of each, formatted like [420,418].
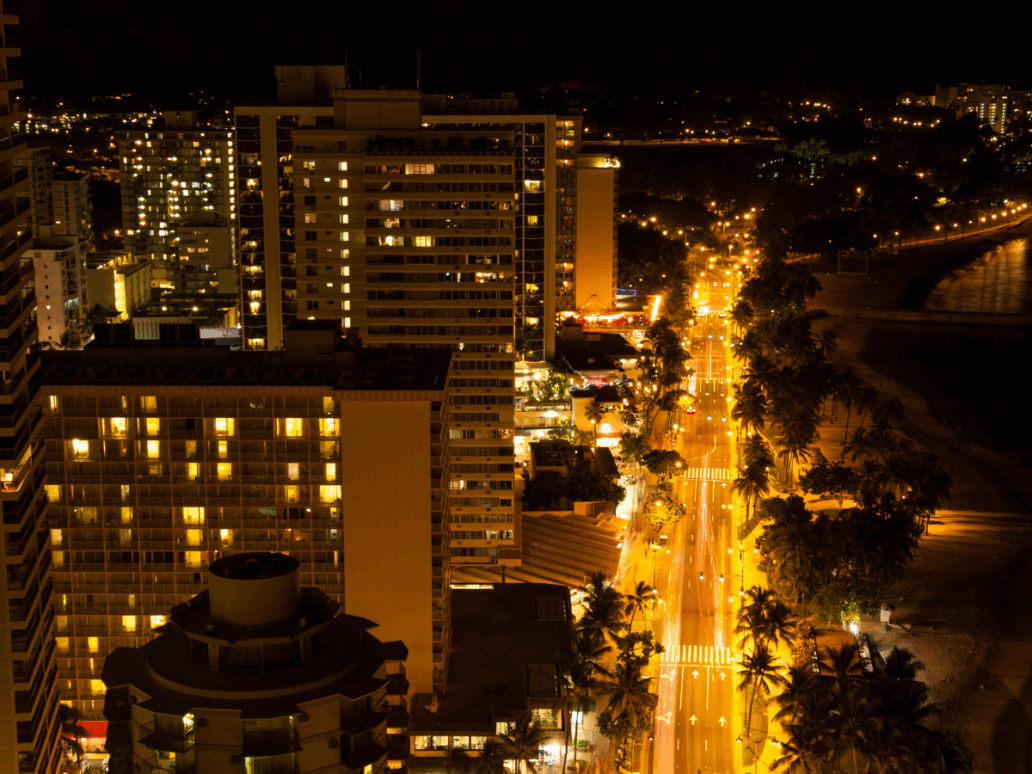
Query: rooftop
[507,644]
[152,362]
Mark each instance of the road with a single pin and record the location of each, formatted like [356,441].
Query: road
[695,729]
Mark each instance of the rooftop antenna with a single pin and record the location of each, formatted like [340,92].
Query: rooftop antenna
[419,55]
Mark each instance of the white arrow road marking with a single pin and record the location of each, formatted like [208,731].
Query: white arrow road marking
[693,719]
[722,722]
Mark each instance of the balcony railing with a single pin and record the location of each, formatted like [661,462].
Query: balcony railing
[166,739]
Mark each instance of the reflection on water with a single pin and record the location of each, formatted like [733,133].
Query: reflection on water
[999,282]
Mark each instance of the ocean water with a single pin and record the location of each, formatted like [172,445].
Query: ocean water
[975,378]
[999,282]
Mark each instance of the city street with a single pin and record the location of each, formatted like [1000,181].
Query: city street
[696,729]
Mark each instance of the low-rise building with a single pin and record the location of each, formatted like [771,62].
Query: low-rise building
[508,646]
[257,674]
[119,281]
[206,255]
[216,315]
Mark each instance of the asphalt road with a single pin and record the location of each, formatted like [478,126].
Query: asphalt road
[696,729]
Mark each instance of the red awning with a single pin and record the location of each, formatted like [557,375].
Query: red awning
[97,728]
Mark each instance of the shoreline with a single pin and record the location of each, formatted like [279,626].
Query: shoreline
[968,591]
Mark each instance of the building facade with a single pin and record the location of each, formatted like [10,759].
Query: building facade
[57,263]
[258,674]
[28,696]
[206,255]
[73,209]
[38,163]
[553,213]
[162,461]
[170,174]
[403,235]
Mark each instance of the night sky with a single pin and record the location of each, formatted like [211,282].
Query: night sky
[88,47]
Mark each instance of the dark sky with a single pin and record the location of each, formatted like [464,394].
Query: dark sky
[89,47]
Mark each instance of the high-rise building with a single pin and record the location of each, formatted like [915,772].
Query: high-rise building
[39,164]
[258,674]
[170,174]
[73,209]
[565,225]
[403,235]
[28,697]
[163,459]
[57,262]
[548,260]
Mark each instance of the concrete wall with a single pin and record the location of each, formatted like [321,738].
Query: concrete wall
[596,237]
[386,525]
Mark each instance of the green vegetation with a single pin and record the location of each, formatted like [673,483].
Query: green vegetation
[552,490]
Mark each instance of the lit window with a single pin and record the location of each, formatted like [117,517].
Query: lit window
[56,537]
[345,271]
[331,471]
[223,450]
[193,537]
[62,644]
[293,471]
[327,405]
[191,448]
[226,535]
[127,515]
[155,469]
[125,492]
[193,471]
[193,515]
[225,426]
[293,427]
[290,493]
[149,403]
[156,621]
[328,427]
[97,687]
[129,623]
[343,166]
[153,426]
[117,427]
[58,557]
[345,288]
[343,201]
[343,183]
[225,471]
[329,493]
[54,493]
[54,405]
[153,449]
[80,448]
[94,644]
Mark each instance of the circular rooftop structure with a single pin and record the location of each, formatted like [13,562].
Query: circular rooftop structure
[254,589]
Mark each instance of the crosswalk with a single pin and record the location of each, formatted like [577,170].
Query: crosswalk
[705,654]
[708,474]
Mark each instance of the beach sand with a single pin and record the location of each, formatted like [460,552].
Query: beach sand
[967,596]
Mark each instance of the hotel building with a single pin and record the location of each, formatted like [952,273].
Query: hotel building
[28,696]
[403,235]
[258,674]
[163,460]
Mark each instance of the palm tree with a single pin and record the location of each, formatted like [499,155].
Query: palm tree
[759,669]
[594,413]
[753,484]
[765,619]
[865,398]
[72,730]
[805,751]
[857,444]
[581,683]
[854,724]
[843,666]
[604,614]
[750,408]
[522,741]
[629,696]
[629,417]
[944,753]
[640,600]
[492,759]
